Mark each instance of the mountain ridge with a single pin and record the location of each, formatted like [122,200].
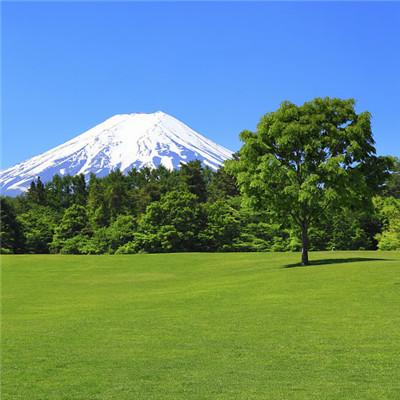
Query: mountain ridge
[123,141]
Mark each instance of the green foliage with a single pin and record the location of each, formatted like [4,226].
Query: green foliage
[72,229]
[222,225]
[36,193]
[166,239]
[115,194]
[305,160]
[172,223]
[98,213]
[193,177]
[259,233]
[121,231]
[63,191]
[109,239]
[78,244]
[38,224]
[389,211]
[6,250]
[222,186]
[11,234]
[344,229]
[392,184]
[128,248]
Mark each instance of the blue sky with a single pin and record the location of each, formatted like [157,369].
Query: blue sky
[217,66]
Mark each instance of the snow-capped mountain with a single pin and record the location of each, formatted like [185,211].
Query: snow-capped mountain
[124,141]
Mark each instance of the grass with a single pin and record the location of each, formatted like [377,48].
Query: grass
[201,326]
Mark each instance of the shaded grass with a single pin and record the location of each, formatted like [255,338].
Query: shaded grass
[326,261]
[201,326]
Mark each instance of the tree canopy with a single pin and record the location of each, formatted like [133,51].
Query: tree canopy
[304,161]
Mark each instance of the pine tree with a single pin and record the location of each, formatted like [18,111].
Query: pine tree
[11,235]
[192,175]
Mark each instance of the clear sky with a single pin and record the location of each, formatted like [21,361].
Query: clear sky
[216,66]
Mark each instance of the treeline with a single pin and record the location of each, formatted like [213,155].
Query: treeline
[190,209]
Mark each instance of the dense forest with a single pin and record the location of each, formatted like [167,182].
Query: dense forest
[190,209]
[308,179]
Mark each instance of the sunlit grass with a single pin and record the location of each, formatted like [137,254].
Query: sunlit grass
[201,326]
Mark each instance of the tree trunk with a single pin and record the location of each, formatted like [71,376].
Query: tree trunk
[304,241]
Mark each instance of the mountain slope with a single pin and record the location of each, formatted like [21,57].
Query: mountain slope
[124,141]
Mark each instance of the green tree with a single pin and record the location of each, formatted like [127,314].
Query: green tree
[36,193]
[222,226]
[389,211]
[121,231]
[109,239]
[192,175]
[38,225]
[392,184]
[59,192]
[11,235]
[115,194]
[344,229]
[73,223]
[222,185]
[305,160]
[79,190]
[98,212]
[258,232]
[172,224]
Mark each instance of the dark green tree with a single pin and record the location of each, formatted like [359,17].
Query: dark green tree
[36,193]
[11,234]
[222,185]
[79,190]
[392,184]
[97,209]
[116,194]
[344,229]
[58,192]
[192,175]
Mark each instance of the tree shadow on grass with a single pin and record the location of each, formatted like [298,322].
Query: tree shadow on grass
[327,261]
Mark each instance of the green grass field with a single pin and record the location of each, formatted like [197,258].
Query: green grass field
[201,326]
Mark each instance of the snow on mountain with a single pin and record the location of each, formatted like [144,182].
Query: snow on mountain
[124,141]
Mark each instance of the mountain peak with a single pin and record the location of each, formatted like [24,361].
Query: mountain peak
[123,141]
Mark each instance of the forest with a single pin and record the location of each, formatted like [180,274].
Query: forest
[196,209]
[191,209]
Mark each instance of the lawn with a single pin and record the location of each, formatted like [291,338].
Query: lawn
[201,326]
